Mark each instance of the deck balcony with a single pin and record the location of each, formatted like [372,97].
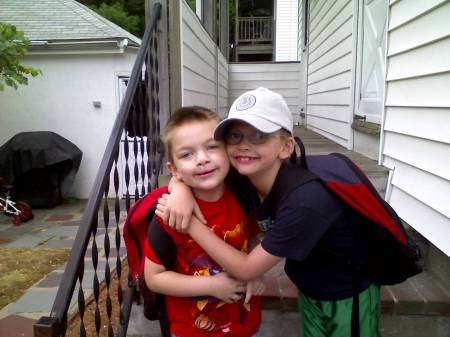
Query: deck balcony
[255,35]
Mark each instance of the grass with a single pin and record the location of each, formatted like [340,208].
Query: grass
[20,268]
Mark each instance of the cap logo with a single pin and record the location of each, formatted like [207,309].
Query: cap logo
[246,102]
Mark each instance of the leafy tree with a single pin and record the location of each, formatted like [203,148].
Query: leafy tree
[128,14]
[117,14]
[191,4]
[13,44]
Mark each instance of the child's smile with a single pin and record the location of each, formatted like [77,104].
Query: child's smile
[199,160]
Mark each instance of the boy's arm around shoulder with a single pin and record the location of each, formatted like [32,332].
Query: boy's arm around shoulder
[178,206]
[236,263]
[160,258]
[167,282]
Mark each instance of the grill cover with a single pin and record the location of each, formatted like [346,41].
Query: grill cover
[40,165]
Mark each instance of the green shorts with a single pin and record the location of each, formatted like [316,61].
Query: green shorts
[333,318]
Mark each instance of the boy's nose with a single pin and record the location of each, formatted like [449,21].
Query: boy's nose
[244,144]
[202,157]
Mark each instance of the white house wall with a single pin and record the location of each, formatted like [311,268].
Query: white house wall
[330,69]
[286,30]
[204,69]
[416,131]
[60,100]
[283,78]
[300,30]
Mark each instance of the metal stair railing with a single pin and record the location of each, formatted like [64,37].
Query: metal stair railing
[134,137]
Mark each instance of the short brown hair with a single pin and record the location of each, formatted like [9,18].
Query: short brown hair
[182,116]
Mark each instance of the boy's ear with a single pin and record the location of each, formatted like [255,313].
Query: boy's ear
[287,149]
[171,168]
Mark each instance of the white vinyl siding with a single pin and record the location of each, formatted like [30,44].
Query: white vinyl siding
[330,69]
[286,30]
[416,129]
[283,78]
[204,72]
[300,30]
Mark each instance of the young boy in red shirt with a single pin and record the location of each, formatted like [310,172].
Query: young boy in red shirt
[203,300]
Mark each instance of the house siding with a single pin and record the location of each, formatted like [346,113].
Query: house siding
[286,30]
[300,30]
[329,88]
[283,78]
[204,68]
[416,128]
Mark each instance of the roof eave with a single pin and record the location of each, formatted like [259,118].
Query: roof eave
[108,45]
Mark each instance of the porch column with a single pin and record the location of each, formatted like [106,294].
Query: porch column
[209,18]
[224,23]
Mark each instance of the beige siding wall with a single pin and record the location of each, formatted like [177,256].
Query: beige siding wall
[330,69]
[283,78]
[416,130]
[223,86]
[204,68]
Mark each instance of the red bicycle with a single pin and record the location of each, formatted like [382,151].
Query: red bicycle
[20,210]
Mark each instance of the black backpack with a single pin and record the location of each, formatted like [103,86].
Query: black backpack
[393,257]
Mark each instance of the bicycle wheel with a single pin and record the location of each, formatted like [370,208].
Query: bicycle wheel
[25,211]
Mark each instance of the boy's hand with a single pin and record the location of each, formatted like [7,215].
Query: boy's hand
[226,288]
[177,208]
[254,287]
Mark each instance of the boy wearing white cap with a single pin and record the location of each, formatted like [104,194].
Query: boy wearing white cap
[311,229]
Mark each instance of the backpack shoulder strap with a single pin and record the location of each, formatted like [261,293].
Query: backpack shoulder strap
[162,243]
[290,176]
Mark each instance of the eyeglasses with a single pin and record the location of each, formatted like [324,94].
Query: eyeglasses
[256,137]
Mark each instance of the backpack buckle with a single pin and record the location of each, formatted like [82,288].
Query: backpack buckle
[266,224]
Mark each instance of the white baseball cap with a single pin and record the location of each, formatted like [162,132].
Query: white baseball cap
[262,108]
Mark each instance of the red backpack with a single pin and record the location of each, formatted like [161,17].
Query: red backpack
[393,256]
[135,234]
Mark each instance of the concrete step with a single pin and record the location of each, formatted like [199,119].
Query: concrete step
[422,294]
[279,323]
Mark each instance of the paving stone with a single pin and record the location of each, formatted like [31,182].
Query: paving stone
[437,301]
[28,241]
[407,299]
[100,267]
[59,231]
[16,326]
[287,288]
[387,301]
[113,252]
[58,243]
[52,280]
[59,217]
[35,300]
[75,223]
[15,232]
[6,225]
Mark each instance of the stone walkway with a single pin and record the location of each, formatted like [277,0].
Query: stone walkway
[50,228]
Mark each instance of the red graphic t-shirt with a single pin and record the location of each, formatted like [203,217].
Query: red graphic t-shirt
[208,316]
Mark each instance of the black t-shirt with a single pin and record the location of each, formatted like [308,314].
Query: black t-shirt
[319,237]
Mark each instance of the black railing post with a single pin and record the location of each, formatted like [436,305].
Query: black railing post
[56,323]
[47,327]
